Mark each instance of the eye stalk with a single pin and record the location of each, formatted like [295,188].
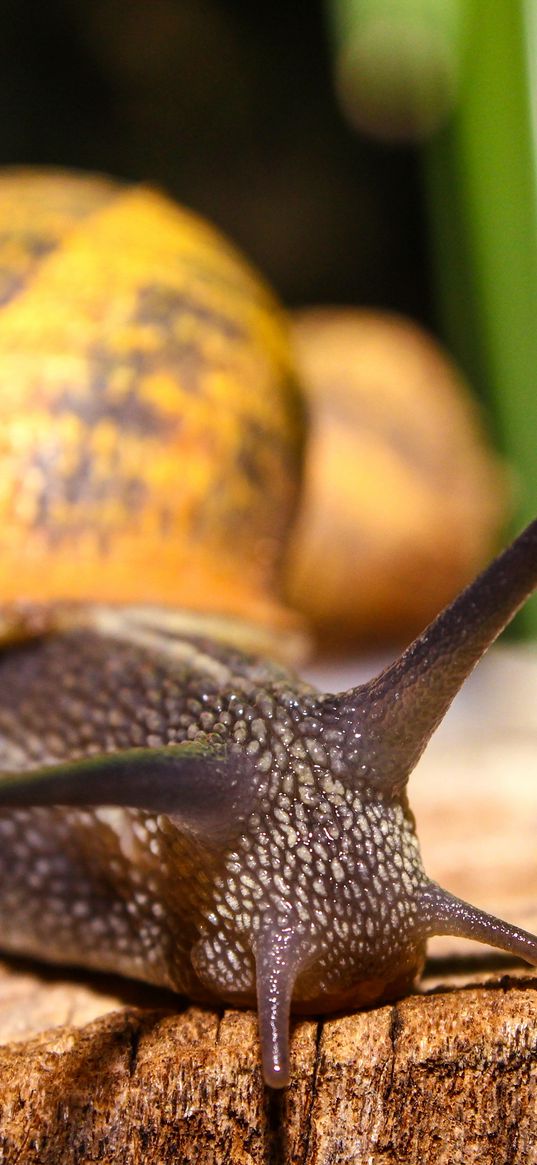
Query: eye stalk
[199,784]
[395,714]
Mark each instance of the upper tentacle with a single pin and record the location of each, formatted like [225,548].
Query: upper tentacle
[388,721]
[199,784]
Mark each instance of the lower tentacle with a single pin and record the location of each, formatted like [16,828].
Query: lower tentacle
[446,914]
[280,956]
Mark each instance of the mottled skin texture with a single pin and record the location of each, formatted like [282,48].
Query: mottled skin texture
[238,834]
[298,836]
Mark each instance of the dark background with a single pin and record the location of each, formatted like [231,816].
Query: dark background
[229,105]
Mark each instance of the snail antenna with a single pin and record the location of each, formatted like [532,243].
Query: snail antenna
[280,955]
[446,914]
[389,720]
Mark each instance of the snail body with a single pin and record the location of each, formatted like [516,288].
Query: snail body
[181,812]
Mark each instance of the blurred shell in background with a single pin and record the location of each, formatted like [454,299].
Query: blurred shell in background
[403,499]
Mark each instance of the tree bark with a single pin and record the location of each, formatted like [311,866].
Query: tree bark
[95,1070]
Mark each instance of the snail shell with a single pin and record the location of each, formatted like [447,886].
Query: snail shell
[150,425]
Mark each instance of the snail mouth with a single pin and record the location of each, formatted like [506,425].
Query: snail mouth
[363,994]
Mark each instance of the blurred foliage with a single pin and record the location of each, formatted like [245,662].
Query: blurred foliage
[398,64]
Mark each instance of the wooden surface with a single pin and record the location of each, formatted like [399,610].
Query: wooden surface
[99,1070]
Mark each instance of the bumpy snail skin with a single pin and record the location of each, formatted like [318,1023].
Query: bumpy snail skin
[181,812]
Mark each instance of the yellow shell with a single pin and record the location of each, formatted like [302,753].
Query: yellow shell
[150,429]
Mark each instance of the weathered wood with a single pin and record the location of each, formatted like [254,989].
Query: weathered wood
[442,1078]
[96,1070]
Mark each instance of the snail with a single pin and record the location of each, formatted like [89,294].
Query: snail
[174,806]
[179,811]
